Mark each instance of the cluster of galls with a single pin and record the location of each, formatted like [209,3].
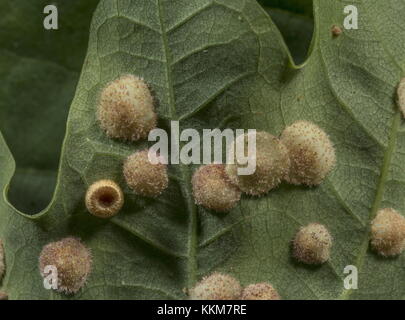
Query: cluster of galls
[125,111]
[303,154]
[219,286]
[312,244]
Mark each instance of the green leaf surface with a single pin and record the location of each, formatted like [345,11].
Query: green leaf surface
[223,63]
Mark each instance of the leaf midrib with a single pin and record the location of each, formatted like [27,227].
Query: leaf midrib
[192,267]
[378,197]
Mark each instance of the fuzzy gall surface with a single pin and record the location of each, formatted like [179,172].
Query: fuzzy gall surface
[312,244]
[272,165]
[72,261]
[217,286]
[311,153]
[126,109]
[212,190]
[388,233]
[260,291]
[143,177]
[104,199]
